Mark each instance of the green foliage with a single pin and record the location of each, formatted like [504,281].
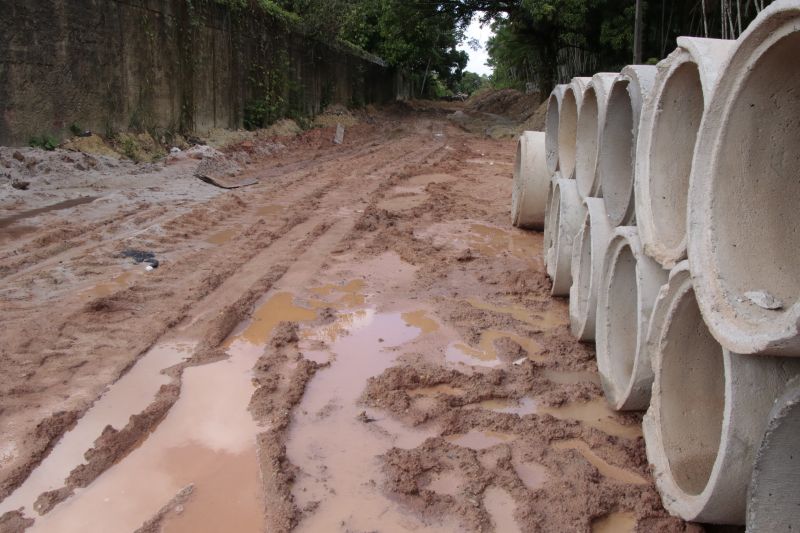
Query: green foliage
[45,142]
[75,129]
[471,83]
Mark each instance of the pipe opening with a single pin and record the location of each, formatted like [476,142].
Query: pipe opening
[616,163]
[567,130]
[623,317]
[692,395]
[674,133]
[551,133]
[756,182]
[586,156]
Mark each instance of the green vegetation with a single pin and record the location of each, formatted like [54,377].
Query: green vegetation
[45,142]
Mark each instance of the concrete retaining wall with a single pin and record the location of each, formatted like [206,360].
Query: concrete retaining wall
[110,65]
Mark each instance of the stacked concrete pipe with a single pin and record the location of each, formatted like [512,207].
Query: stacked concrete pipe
[547,247]
[551,126]
[744,192]
[616,154]
[567,213]
[568,125]
[707,416]
[591,122]
[588,251]
[626,294]
[531,182]
[668,127]
[775,484]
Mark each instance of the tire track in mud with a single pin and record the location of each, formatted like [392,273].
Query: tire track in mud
[234,315]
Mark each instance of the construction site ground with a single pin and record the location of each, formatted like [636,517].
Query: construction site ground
[358,342]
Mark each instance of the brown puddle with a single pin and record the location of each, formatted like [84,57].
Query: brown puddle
[486,352]
[493,241]
[596,414]
[615,523]
[608,470]
[522,407]
[338,454]
[268,210]
[351,293]
[533,475]
[66,204]
[418,319]
[121,281]
[476,439]
[404,202]
[544,321]
[206,439]
[226,235]
[128,396]
[500,506]
[571,377]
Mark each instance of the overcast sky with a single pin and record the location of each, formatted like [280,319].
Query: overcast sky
[477,58]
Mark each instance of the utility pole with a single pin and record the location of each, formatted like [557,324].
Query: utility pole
[637,34]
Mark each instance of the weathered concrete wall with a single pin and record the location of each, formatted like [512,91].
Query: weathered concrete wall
[111,65]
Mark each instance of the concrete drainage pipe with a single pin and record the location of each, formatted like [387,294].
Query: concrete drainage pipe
[567,214]
[707,415]
[744,193]
[588,250]
[667,132]
[531,181]
[625,298]
[547,246]
[551,126]
[615,161]
[591,122]
[772,498]
[568,125]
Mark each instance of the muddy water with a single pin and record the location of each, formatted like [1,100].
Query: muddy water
[533,475]
[446,483]
[500,506]
[485,354]
[521,407]
[419,319]
[493,241]
[436,390]
[610,471]
[207,439]
[336,452]
[128,396]
[107,288]
[615,523]
[544,321]
[221,237]
[596,414]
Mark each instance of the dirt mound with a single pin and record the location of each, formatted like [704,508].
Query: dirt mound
[510,103]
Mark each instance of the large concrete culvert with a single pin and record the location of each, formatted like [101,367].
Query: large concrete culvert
[568,125]
[668,128]
[547,245]
[567,216]
[591,122]
[588,250]
[745,192]
[615,164]
[551,126]
[531,182]
[773,494]
[625,298]
[707,415]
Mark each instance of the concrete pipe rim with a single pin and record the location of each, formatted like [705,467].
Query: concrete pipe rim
[618,141]
[531,180]
[626,294]
[591,119]
[678,279]
[779,436]
[668,130]
[568,126]
[588,251]
[707,415]
[750,255]
[548,224]
[567,218]
[551,126]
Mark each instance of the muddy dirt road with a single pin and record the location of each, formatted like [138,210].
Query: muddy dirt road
[360,342]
